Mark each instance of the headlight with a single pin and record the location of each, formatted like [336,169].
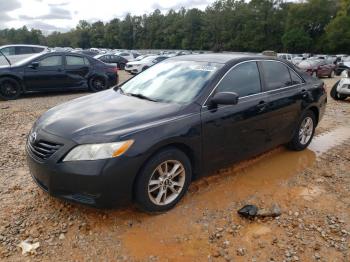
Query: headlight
[98,151]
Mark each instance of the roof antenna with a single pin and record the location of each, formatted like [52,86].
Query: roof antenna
[5,57]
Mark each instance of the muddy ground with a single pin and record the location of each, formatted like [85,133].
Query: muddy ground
[312,188]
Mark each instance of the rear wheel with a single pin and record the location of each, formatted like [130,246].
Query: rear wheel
[97,83]
[335,94]
[163,181]
[9,88]
[304,133]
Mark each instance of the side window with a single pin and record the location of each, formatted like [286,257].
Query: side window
[276,75]
[124,54]
[51,61]
[296,80]
[38,49]
[8,51]
[75,60]
[86,61]
[23,50]
[243,79]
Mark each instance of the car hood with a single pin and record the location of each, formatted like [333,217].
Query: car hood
[108,113]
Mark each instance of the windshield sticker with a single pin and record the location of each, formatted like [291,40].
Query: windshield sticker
[204,68]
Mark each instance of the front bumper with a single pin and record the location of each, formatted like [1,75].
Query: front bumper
[132,70]
[100,183]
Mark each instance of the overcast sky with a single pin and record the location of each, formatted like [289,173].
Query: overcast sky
[62,15]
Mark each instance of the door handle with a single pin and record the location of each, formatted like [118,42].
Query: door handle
[304,93]
[261,106]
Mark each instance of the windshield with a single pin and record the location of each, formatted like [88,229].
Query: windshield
[172,81]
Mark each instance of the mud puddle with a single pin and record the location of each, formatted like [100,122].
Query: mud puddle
[263,180]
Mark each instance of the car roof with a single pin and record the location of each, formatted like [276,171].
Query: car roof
[41,46]
[222,58]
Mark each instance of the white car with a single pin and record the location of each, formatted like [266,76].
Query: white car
[130,56]
[16,53]
[341,89]
[287,57]
[136,67]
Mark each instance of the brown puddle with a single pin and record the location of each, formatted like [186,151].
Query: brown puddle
[263,179]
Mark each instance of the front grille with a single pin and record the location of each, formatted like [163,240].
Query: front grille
[43,149]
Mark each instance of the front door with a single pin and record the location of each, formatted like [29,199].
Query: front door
[234,132]
[48,75]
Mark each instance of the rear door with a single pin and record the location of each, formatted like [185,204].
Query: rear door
[285,89]
[234,132]
[48,75]
[77,70]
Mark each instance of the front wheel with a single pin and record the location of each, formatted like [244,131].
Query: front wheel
[163,181]
[304,133]
[10,89]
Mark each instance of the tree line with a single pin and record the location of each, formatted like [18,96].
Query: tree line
[316,26]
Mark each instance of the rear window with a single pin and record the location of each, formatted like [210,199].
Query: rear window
[75,60]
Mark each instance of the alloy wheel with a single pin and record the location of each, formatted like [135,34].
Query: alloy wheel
[305,131]
[167,182]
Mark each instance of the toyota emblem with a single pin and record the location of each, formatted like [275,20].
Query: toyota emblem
[32,137]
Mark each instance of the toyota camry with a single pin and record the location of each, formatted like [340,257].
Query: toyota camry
[145,140]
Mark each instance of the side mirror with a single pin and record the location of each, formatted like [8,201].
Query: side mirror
[34,65]
[224,98]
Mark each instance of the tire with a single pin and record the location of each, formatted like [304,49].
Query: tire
[331,75]
[97,83]
[151,197]
[297,143]
[10,88]
[335,95]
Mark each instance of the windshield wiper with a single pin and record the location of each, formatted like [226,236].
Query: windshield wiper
[141,96]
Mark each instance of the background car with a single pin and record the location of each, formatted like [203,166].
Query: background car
[16,53]
[56,71]
[136,67]
[112,59]
[317,67]
[344,65]
[130,56]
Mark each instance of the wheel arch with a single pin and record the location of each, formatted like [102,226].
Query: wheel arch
[315,111]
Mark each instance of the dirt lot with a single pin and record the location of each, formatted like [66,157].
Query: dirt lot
[312,188]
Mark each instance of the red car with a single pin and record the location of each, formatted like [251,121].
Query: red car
[317,68]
